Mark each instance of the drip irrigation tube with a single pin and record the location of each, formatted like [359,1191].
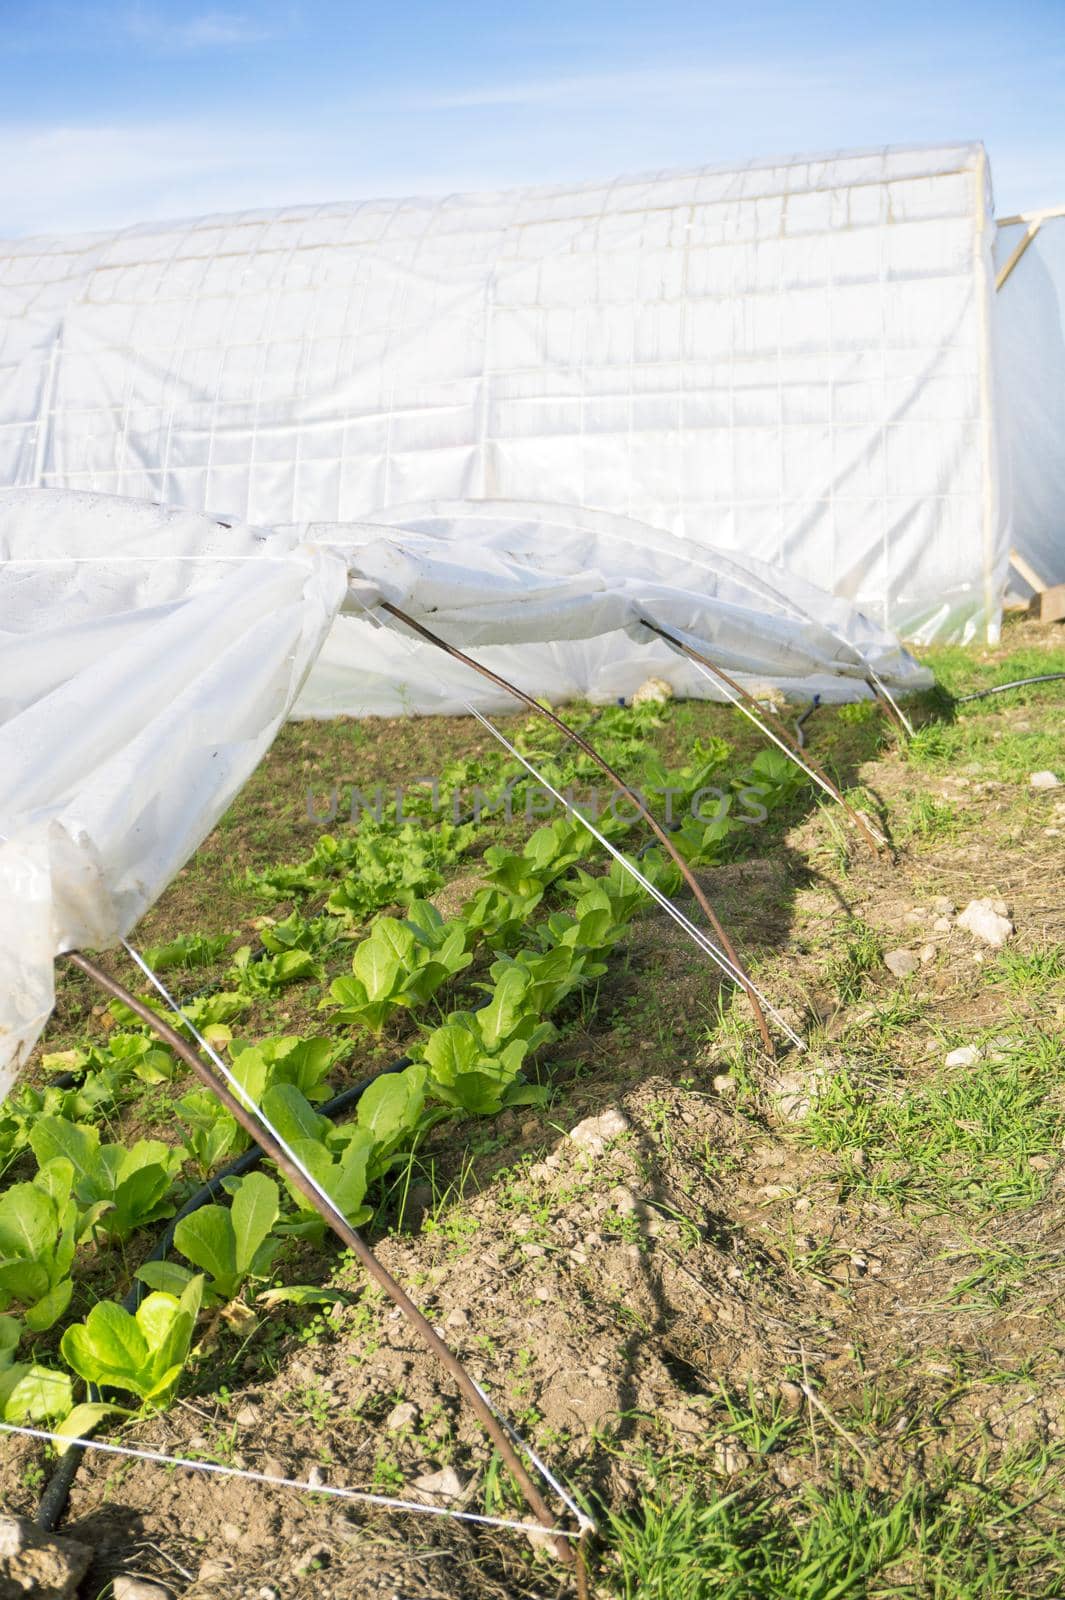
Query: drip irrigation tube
[1017,683]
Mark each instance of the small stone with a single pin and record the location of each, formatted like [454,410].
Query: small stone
[36,1563]
[312,1559]
[402,1416]
[986,921]
[443,1485]
[943,924]
[942,906]
[966,1056]
[231,1533]
[214,1571]
[267,1593]
[595,1133]
[901,963]
[1044,780]
[272,1467]
[730,1457]
[138,1589]
[796,1093]
[1039,1163]
[456,1319]
[316,1477]
[926,953]
[725,1085]
[541,1541]
[791,1396]
[247,1416]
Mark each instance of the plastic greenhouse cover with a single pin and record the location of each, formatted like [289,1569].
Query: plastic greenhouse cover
[148,657]
[789,359]
[1030,336]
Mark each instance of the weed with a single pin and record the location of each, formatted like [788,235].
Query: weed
[847,971]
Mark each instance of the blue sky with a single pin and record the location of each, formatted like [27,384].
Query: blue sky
[112,113]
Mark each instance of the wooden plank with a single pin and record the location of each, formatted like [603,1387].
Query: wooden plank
[1027,571]
[1049,604]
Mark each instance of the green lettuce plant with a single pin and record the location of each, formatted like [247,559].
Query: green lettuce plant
[29,1393]
[187,951]
[143,1353]
[123,1188]
[229,1243]
[38,1236]
[402,963]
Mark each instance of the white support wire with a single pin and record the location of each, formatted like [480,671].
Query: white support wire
[741,705]
[337,1491]
[703,940]
[248,1101]
[890,698]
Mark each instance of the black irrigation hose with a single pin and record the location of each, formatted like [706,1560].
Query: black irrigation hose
[800,729]
[56,1493]
[1018,683]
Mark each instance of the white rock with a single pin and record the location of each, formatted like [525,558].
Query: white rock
[901,962]
[1044,780]
[796,1093]
[926,953]
[595,1133]
[725,1085]
[730,1457]
[138,1589]
[213,1570]
[443,1485]
[987,920]
[404,1415]
[36,1563]
[943,924]
[544,1542]
[966,1056]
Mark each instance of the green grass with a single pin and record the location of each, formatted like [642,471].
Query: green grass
[858,956]
[957,1139]
[928,818]
[962,670]
[979,1534]
[1028,971]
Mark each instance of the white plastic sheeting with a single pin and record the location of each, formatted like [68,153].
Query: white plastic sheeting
[1030,335]
[148,657]
[136,697]
[789,359]
[761,622]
